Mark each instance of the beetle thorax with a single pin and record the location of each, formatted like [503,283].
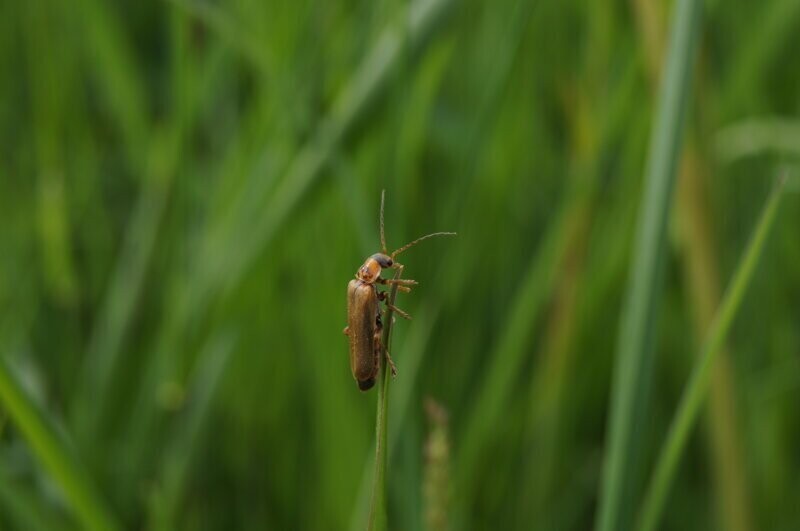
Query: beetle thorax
[370,271]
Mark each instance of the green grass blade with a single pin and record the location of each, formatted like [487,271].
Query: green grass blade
[413,349]
[229,30]
[377,510]
[26,508]
[634,352]
[188,435]
[137,251]
[508,354]
[53,454]
[695,391]
[756,136]
[116,73]
[107,340]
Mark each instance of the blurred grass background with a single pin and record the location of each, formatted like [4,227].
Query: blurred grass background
[187,186]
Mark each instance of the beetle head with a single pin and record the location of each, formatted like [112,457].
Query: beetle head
[384,260]
[371,270]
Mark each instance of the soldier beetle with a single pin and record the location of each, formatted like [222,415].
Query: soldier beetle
[364,325]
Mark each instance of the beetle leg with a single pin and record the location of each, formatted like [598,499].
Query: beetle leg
[398,311]
[346,331]
[383,296]
[391,364]
[379,347]
[400,282]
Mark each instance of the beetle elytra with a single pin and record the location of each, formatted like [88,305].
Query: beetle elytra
[364,325]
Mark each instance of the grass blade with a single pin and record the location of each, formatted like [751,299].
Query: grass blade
[701,270]
[757,136]
[416,343]
[695,391]
[26,508]
[182,446]
[53,454]
[508,354]
[634,352]
[377,511]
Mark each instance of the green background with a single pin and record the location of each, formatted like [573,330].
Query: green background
[186,188]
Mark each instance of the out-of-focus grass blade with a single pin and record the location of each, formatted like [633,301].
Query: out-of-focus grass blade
[116,74]
[759,135]
[634,352]
[202,388]
[26,508]
[141,234]
[52,452]
[228,29]
[699,260]
[159,169]
[695,391]
[507,356]
[49,113]
[766,37]
[106,340]
[553,366]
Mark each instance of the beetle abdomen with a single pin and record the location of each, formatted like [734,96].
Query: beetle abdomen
[363,325]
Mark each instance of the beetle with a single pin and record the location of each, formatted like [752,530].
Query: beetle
[364,324]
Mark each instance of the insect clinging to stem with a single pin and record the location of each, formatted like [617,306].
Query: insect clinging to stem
[364,324]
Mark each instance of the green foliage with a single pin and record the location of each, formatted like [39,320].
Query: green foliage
[188,186]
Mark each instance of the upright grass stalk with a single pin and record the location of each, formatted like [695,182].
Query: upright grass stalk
[634,351]
[53,454]
[377,509]
[415,345]
[696,388]
[701,271]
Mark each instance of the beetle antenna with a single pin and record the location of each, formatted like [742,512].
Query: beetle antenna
[383,236]
[411,244]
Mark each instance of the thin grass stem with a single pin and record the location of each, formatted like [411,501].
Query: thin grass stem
[415,345]
[377,510]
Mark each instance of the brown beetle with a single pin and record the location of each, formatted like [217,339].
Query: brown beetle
[364,325]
